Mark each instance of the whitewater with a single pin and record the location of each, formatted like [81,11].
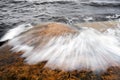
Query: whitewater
[83,49]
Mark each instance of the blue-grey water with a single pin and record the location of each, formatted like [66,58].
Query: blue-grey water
[14,12]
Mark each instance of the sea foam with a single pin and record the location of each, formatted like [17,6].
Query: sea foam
[87,49]
[15,31]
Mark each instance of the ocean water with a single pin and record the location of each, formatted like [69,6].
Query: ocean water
[31,12]
[13,12]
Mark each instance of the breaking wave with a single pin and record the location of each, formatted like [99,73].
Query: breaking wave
[87,48]
[10,34]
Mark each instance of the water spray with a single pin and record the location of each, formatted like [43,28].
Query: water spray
[67,48]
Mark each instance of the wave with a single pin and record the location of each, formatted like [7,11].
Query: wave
[68,49]
[10,34]
[104,3]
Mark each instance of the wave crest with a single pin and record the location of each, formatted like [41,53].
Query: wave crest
[71,50]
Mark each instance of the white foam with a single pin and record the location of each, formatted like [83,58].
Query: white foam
[15,31]
[88,49]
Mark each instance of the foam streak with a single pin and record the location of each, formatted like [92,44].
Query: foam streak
[87,49]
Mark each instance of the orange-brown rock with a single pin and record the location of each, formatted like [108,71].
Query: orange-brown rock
[100,26]
[42,33]
[12,67]
[51,29]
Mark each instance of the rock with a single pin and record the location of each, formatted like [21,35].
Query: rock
[101,26]
[52,29]
[12,67]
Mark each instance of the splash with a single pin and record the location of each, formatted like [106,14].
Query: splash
[68,49]
[15,31]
